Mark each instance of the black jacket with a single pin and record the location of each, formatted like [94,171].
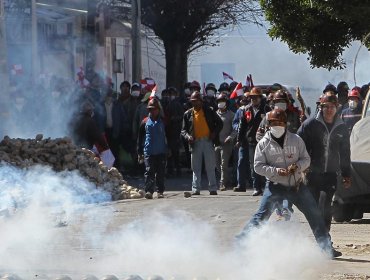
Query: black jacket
[329,151]
[214,123]
[250,122]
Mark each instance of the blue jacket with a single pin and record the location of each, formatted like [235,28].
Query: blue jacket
[152,137]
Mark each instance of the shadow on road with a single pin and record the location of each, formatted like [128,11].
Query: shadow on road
[352,260]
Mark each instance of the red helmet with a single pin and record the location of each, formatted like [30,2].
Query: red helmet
[329,99]
[354,93]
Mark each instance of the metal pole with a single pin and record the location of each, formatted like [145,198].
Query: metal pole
[136,40]
[4,75]
[34,42]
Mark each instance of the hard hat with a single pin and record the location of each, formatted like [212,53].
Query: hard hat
[224,87]
[354,93]
[280,95]
[196,96]
[195,85]
[329,99]
[211,86]
[256,91]
[278,115]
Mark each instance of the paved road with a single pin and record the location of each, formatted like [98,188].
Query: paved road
[185,238]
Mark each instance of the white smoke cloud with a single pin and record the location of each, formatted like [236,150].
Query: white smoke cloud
[52,229]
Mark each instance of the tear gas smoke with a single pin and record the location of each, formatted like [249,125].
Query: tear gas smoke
[50,228]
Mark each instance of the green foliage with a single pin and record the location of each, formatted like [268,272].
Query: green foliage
[320,28]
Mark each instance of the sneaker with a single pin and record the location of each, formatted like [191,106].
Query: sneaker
[257,193]
[195,193]
[239,189]
[222,188]
[335,253]
[213,193]
[148,195]
[160,195]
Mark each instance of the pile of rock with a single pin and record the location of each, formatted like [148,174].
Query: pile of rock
[61,154]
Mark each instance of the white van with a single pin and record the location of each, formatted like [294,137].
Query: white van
[353,202]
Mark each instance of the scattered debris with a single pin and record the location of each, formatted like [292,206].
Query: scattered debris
[61,155]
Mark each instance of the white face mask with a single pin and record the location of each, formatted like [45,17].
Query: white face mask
[277,131]
[211,93]
[172,97]
[352,104]
[281,106]
[187,91]
[221,105]
[135,93]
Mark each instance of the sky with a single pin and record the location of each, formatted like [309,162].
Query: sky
[249,50]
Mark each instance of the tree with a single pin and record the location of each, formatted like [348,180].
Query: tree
[187,25]
[320,28]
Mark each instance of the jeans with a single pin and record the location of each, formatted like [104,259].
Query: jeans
[223,155]
[203,148]
[155,166]
[244,169]
[304,202]
[257,180]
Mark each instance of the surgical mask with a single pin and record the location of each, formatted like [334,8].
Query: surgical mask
[135,93]
[172,97]
[211,93]
[187,91]
[277,131]
[221,105]
[281,106]
[352,104]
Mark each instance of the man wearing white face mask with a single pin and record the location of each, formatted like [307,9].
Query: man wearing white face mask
[225,148]
[352,114]
[210,98]
[281,157]
[281,101]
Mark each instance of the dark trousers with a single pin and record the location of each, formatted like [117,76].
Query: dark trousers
[155,166]
[322,187]
[244,168]
[174,160]
[304,201]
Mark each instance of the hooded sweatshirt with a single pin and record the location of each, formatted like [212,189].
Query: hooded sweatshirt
[269,156]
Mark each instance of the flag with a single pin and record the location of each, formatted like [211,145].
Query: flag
[250,81]
[17,69]
[155,94]
[227,76]
[238,91]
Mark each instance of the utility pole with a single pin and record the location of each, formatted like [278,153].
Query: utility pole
[4,75]
[136,40]
[34,42]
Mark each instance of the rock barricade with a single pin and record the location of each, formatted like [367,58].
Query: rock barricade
[61,155]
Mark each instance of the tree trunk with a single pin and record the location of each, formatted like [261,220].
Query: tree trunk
[176,64]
